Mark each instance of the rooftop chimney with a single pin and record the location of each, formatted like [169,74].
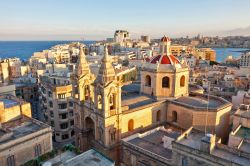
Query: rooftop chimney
[207,143]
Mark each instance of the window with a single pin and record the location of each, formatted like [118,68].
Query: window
[182,81]
[158,116]
[50,94]
[71,113]
[11,161]
[64,125]
[131,125]
[72,133]
[99,102]
[63,116]
[51,114]
[148,81]
[52,123]
[38,150]
[174,116]
[62,106]
[165,82]
[72,122]
[184,161]
[65,136]
[61,96]
[87,92]
[112,134]
[51,104]
[111,101]
[71,104]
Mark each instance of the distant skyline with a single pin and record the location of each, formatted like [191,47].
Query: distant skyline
[98,19]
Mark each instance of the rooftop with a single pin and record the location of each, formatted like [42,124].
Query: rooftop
[20,127]
[243,132]
[9,102]
[153,141]
[193,140]
[135,100]
[90,158]
[202,102]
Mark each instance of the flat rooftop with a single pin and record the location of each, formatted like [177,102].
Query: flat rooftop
[90,158]
[134,100]
[19,128]
[8,102]
[243,132]
[193,140]
[152,141]
[202,101]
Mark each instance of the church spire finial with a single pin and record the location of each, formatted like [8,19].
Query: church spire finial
[106,71]
[82,66]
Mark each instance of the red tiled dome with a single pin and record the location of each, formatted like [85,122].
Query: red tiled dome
[165,39]
[165,59]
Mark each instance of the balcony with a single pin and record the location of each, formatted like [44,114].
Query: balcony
[62,110]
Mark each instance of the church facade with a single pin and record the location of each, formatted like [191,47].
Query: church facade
[107,110]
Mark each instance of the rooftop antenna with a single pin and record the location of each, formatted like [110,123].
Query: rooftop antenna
[207,107]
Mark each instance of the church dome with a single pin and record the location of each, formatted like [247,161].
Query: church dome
[165,59]
[165,39]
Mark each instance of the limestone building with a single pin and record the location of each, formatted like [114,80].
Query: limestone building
[57,104]
[107,109]
[12,107]
[23,139]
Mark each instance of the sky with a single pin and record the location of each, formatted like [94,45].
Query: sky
[98,19]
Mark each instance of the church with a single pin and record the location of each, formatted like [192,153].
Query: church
[108,110]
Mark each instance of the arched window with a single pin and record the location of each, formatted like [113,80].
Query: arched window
[148,81]
[182,81]
[131,125]
[87,92]
[174,116]
[112,102]
[99,98]
[165,82]
[158,116]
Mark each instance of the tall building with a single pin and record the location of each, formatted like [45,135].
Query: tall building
[107,109]
[121,36]
[245,60]
[56,91]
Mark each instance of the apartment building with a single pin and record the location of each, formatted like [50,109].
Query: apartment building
[245,60]
[57,104]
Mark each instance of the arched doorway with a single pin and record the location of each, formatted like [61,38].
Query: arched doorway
[90,127]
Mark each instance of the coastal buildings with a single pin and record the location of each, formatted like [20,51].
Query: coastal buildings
[23,139]
[56,93]
[107,110]
[121,36]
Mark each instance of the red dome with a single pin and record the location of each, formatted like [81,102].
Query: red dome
[165,39]
[165,59]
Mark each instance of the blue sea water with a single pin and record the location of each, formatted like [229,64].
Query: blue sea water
[25,49]
[222,53]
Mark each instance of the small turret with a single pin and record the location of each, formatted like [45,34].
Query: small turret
[106,72]
[82,66]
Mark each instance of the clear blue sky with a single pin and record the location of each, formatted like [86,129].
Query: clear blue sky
[98,19]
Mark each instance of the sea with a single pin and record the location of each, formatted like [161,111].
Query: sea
[25,49]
